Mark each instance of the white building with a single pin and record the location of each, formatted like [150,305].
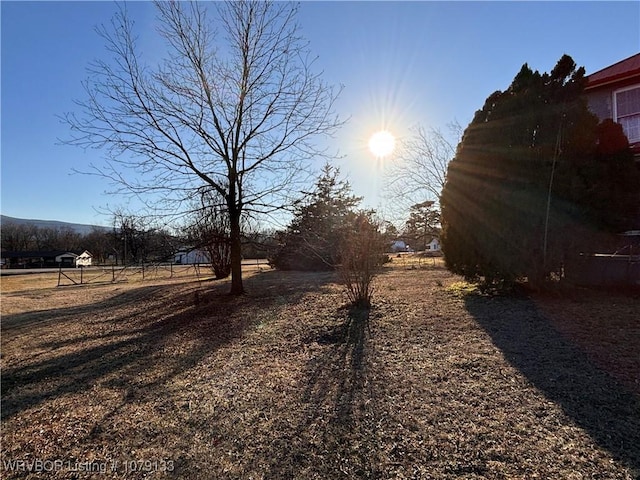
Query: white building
[191,257]
[84,259]
[400,246]
[433,245]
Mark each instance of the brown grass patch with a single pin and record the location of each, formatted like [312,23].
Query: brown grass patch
[286,382]
[604,324]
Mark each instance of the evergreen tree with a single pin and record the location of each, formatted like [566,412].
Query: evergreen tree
[422,225]
[529,182]
[313,239]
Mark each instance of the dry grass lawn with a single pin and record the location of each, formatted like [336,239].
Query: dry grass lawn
[174,379]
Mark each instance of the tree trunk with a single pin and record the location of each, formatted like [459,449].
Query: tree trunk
[236,255]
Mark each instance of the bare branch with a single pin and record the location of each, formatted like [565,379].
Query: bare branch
[419,171]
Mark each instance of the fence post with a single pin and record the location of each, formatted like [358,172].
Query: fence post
[81,270]
[59,274]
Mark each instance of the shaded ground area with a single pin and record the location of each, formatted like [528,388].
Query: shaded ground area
[604,324]
[287,382]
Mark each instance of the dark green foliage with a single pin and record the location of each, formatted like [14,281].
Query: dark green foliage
[422,225]
[321,221]
[258,245]
[532,149]
[616,184]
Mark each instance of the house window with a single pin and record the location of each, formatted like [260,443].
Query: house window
[627,112]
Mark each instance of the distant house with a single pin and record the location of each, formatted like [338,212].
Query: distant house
[84,259]
[614,92]
[433,245]
[37,259]
[400,246]
[191,256]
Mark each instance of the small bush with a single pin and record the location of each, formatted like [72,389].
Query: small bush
[361,260]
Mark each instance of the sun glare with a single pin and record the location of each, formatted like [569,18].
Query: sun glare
[382,143]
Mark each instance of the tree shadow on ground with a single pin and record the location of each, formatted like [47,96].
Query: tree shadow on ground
[24,321]
[165,330]
[594,400]
[345,353]
[332,430]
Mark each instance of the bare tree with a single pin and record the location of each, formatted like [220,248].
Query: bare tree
[420,168]
[239,115]
[130,236]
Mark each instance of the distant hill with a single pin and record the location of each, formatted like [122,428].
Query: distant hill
[80,228]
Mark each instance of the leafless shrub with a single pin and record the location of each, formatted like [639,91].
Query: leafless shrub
[211,231]
[362,256]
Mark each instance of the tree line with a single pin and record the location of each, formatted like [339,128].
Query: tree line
[18,237]
[127,243]
[132,240]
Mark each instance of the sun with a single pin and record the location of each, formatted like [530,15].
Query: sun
[382,143]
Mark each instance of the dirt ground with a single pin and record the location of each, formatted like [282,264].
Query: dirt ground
[174,379]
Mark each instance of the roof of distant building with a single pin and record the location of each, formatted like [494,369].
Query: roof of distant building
[624,69]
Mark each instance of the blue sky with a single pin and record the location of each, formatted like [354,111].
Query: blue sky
[401,64]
